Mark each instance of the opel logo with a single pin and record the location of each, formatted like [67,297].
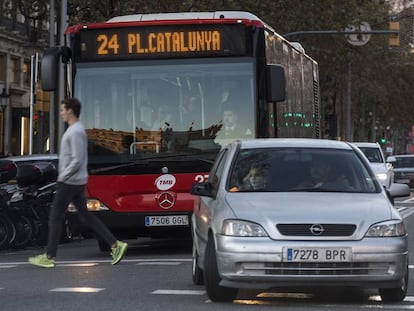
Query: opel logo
[316,229]
[165,199]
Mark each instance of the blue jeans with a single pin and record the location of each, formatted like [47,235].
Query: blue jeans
[66,194]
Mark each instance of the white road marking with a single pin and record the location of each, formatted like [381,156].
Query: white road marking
[86,264]
[77,289]
[103,261]
[159,263]
[404,211]
[178,292]
[7,266]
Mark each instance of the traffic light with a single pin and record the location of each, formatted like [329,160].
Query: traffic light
[35,123]
[383,140]
[394,39]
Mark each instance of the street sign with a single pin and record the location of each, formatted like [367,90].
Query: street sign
[359,38]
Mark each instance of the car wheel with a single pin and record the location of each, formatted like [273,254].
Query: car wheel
[197,272]
[395,294]
[7,231]
[24,230]
[212,278]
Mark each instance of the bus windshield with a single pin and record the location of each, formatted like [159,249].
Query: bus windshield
[147,109]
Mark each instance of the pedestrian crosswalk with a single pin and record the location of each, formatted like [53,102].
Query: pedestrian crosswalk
[404,211]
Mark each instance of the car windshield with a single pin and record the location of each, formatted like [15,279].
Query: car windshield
[404,162]
[300,169]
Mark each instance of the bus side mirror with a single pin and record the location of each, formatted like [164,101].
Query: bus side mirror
[49,68]
[276,83]
[50,65]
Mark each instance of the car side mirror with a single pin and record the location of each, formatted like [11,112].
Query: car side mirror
[399,190]
[202,189]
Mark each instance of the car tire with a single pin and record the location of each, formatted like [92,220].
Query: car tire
[24,232]
[395,294]
[7,231]
[212,278]
[197,272]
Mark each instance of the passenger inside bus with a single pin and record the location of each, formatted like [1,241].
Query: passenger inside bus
[232,128]
[190,112]
[163,119]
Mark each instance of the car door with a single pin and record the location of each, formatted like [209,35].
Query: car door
[205,207]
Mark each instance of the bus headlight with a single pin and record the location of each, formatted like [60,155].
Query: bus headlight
[94,205]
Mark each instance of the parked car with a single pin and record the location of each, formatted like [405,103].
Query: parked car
[33,158]
[31,169]
[403,168]
[271,216]
[382,169]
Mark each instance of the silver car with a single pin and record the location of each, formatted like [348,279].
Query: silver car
[296,212]
[403,168]
[382,169]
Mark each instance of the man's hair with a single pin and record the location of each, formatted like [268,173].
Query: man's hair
[74,104]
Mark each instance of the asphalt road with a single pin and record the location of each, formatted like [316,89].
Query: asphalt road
[156,275]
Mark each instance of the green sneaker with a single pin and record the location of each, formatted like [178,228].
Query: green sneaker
[118,252]
[42,261]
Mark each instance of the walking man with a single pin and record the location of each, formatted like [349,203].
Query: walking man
[71,183]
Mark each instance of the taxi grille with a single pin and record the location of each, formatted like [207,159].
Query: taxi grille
[319,268]
[306,229]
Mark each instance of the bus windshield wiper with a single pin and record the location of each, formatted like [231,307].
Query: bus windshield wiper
[169,157]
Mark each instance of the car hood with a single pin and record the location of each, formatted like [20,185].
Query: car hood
[270,209]
[379,168]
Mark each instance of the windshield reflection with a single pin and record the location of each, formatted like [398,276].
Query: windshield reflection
[149,108]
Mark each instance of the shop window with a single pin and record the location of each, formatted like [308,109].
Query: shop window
[26,73]
[2,67]
[15,70]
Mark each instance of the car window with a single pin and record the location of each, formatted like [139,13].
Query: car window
[373,154]
[217,169]
[404,162]
[300,169]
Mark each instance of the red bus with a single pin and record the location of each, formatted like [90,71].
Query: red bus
[162,93]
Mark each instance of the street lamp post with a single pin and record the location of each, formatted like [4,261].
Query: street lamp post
[4,97]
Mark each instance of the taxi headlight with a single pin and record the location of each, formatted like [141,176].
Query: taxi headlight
[233,227]
[387,229]
[94,205]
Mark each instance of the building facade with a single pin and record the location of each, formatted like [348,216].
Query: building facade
[17,45]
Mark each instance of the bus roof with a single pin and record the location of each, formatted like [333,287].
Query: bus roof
[185,15]
[217,17]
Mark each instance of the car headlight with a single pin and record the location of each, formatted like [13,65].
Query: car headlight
[94,205]
[242,228]
[387,229]
[382,176]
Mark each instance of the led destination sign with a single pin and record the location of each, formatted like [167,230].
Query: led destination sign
[161,41]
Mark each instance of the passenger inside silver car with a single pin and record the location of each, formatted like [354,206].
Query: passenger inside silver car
[324,175]
[255,179]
